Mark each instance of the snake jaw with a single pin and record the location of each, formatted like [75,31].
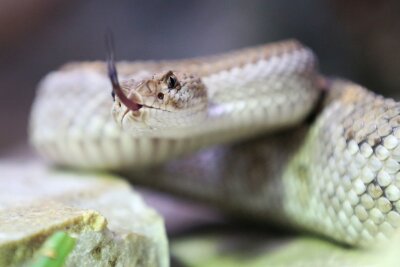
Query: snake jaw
[132,104]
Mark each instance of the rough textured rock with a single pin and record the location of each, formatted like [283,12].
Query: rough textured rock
[113,225]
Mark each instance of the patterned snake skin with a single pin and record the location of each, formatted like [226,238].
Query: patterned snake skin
[336,174]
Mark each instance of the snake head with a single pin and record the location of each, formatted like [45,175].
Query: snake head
[165,100]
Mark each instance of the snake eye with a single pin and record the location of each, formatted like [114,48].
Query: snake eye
[171,82]
[160,96]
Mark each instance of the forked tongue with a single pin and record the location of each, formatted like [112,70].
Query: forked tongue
[113,75]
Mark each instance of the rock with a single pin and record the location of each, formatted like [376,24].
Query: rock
[112,224]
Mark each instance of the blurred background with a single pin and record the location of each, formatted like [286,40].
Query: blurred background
[358,40]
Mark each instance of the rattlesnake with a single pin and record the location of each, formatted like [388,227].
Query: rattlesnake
[325,156]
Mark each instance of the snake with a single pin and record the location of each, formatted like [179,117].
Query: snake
[258,132]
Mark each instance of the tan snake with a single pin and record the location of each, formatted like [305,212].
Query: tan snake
[336,174]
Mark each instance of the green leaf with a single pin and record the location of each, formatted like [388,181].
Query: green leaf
[55,250]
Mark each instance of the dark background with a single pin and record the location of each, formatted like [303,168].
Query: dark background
[358,40]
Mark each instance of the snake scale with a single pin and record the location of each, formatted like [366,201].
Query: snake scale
[257,132]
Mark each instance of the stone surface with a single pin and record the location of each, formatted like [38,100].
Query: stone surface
[113,225]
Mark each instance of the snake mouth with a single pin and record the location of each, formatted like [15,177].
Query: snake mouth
[138,115]
[131,104]
[150,107]
[136,109]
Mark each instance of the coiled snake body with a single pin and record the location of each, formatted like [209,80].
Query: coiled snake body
[337,174]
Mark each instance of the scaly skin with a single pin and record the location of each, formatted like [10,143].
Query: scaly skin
[271,87]
[338,177]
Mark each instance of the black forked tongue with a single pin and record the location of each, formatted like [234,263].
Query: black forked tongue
[113,75]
